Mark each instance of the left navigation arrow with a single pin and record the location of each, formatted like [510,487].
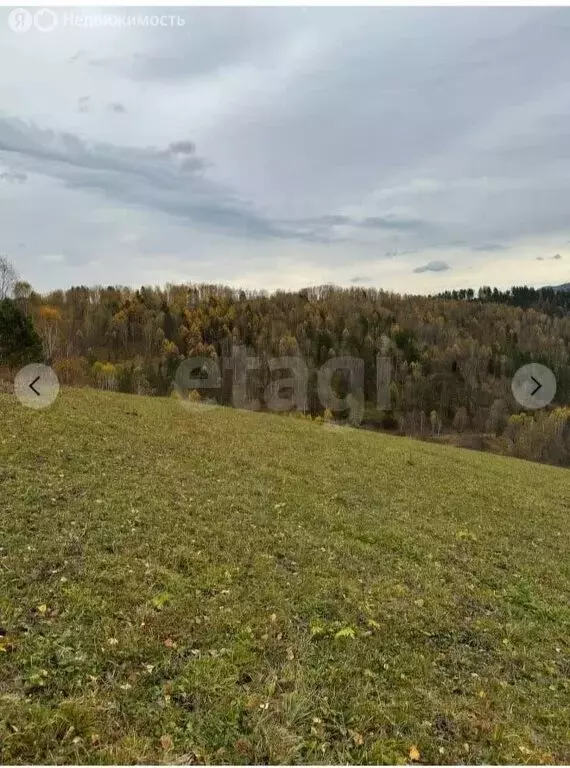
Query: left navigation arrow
[32,385]
[36,386]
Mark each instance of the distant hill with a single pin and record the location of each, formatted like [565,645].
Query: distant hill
[563,287]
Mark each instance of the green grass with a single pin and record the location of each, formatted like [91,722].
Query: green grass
[207,585]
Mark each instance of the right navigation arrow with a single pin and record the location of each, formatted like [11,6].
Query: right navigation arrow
[538,386]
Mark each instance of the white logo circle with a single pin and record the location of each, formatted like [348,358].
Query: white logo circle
[20,20]
[45,20]
[36,386]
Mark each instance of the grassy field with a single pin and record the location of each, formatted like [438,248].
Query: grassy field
[192,585]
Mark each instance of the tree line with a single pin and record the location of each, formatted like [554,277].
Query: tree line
[551,300]
[452,357]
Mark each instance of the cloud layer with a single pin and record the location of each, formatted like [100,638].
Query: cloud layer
[417,148]
[432,266]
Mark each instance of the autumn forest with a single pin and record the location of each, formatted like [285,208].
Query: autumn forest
[453,356]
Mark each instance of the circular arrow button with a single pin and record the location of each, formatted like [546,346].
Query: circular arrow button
[36,386]
[534,386]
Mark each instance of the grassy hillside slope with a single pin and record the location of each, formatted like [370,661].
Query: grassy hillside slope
[213,585]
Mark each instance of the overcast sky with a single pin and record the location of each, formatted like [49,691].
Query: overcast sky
[413,149]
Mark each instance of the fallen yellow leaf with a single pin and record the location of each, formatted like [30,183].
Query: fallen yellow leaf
[414,754]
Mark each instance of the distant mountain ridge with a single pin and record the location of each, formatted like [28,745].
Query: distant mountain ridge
[563,287]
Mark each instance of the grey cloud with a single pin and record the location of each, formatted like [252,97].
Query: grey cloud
[117,107]
[433,266]
[77,55]
[323,226]
[322,223]
[491,247]
[336,220]
[357,280]
[132,175]
[13,177]
[83,104]
[147,177]
[397,252]
[393,222]
[183,147]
